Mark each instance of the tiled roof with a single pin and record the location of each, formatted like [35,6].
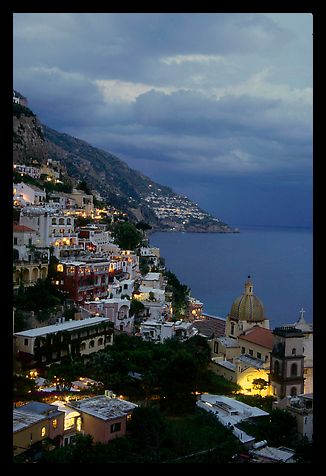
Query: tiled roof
[260,336]
[22,229]
[210,326]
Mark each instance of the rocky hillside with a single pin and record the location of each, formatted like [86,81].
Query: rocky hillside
[124,188]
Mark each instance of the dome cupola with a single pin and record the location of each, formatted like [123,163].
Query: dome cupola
[247,307]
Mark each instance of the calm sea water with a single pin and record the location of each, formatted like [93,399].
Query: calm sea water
[215,267]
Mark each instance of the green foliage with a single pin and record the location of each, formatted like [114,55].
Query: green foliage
[180,293]
[23,387]
[136,308]
[84,187]
[19,110]
[304,451]
[279,429]
[264,403]
[43,295]
[126,235]
[153,438]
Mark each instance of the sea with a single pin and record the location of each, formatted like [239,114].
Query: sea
[215,266]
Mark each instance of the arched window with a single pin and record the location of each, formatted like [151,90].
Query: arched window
[293,391]
[54,221]
[276,367]
[61,221]
[294,351]
[294,369]
[100,341]
[232,328]
[91,344]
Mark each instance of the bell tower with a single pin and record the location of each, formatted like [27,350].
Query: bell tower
[287,362]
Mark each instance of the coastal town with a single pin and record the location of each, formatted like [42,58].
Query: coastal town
[111,349]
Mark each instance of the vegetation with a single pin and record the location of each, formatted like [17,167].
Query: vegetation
[126,235]
[155,438]
[43,295]
[279,428]
[180,294]
[19,110]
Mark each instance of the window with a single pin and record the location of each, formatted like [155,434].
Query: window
[294,351]
[55,423]
[232,328]
[293,391]
[100,341]
[43,431]
[294,370]
[25,341]
[216,347]
[15,240]
[251,352]
[243,350]
[276,367]
[258,355]
[91,344]
[115,427]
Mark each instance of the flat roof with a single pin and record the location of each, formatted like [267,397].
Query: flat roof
[105,408]
[22,420]
[229,341]
[275,454]
[225,363]
[64,326]
[151,276]
[252,361]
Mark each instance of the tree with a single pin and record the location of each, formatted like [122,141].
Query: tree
[84,187]
[126,235]
[259,384]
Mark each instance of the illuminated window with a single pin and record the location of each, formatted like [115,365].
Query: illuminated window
[79,424]
[60,268]
[55,423]
[43,431]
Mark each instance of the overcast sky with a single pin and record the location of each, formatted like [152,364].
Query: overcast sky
[217,106]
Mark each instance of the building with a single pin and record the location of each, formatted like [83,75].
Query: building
[242,354]
[307,331]
[231,412]
[301,407]
[269,454]
[84,280]
[18,98]
[23,238]
[287,362]
[23,169]
[54,228]
[194,309]
[29,193]
[246,311]
[35,422]
[104,417]
[115,309]
[158,331]
[45,345]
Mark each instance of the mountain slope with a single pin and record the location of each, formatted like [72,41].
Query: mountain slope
[124,188]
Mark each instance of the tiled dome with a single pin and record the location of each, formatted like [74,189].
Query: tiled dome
[247,307]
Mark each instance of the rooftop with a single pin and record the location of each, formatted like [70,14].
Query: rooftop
[281,454]
[259,335]
[103,407]
[151,277]
[64,326]
[22,229]
[228,341]
[252,361]
[210,326]
[22,419]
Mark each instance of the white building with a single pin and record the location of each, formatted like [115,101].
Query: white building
[230,412]
[158,331]
[29,193]
[23,169]
[54,228]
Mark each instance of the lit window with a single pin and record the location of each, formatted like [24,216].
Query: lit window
[79,424]
[43,431]
[55,423]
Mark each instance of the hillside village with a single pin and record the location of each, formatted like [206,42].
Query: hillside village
[97,316]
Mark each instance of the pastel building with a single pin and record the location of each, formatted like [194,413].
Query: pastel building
[34,422]
[104,417]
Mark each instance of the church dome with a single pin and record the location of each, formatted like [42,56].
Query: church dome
[247,307]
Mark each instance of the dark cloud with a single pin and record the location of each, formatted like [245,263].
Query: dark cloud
[206,103]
